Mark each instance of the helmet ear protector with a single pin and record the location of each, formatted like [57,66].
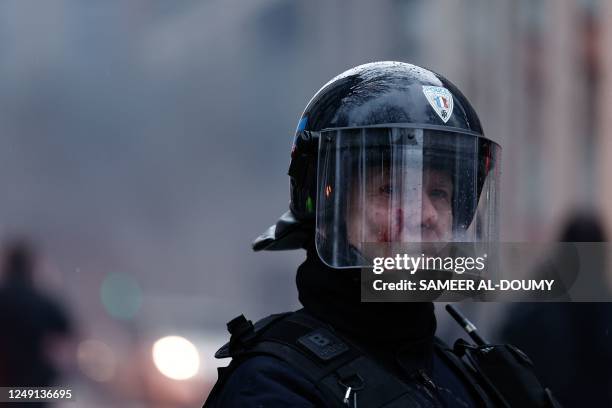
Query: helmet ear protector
[295,228]
[303,174]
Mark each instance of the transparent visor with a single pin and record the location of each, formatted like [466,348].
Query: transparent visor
[403,185]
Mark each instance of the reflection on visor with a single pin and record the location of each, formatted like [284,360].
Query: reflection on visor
[399,185]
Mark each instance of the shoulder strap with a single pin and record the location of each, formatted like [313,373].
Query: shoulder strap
[243,331]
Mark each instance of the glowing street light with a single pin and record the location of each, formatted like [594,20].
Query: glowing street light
[176,357]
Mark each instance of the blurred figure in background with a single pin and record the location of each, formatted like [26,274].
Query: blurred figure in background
[575,336]
[29,322]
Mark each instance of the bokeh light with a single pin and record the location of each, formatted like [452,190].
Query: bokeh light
[176,357]
[96,360]
[121,295]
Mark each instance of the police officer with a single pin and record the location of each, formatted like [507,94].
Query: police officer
[384,153]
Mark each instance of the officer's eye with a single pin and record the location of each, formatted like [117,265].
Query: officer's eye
[439,193]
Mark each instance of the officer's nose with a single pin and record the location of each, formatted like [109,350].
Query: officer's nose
[429,214]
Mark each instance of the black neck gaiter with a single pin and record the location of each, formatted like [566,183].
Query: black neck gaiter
[333,295]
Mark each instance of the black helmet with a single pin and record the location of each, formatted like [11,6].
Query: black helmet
[387,152]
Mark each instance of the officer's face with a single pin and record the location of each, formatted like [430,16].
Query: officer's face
[384,211]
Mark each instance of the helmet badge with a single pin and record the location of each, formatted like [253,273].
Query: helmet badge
[441,100]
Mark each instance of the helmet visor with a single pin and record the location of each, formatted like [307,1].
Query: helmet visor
[403,185]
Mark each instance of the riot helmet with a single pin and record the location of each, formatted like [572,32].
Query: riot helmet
[388,152]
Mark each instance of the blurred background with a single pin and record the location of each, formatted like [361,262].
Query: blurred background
[144,144]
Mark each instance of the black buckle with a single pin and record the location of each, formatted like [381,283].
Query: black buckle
[241,330]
